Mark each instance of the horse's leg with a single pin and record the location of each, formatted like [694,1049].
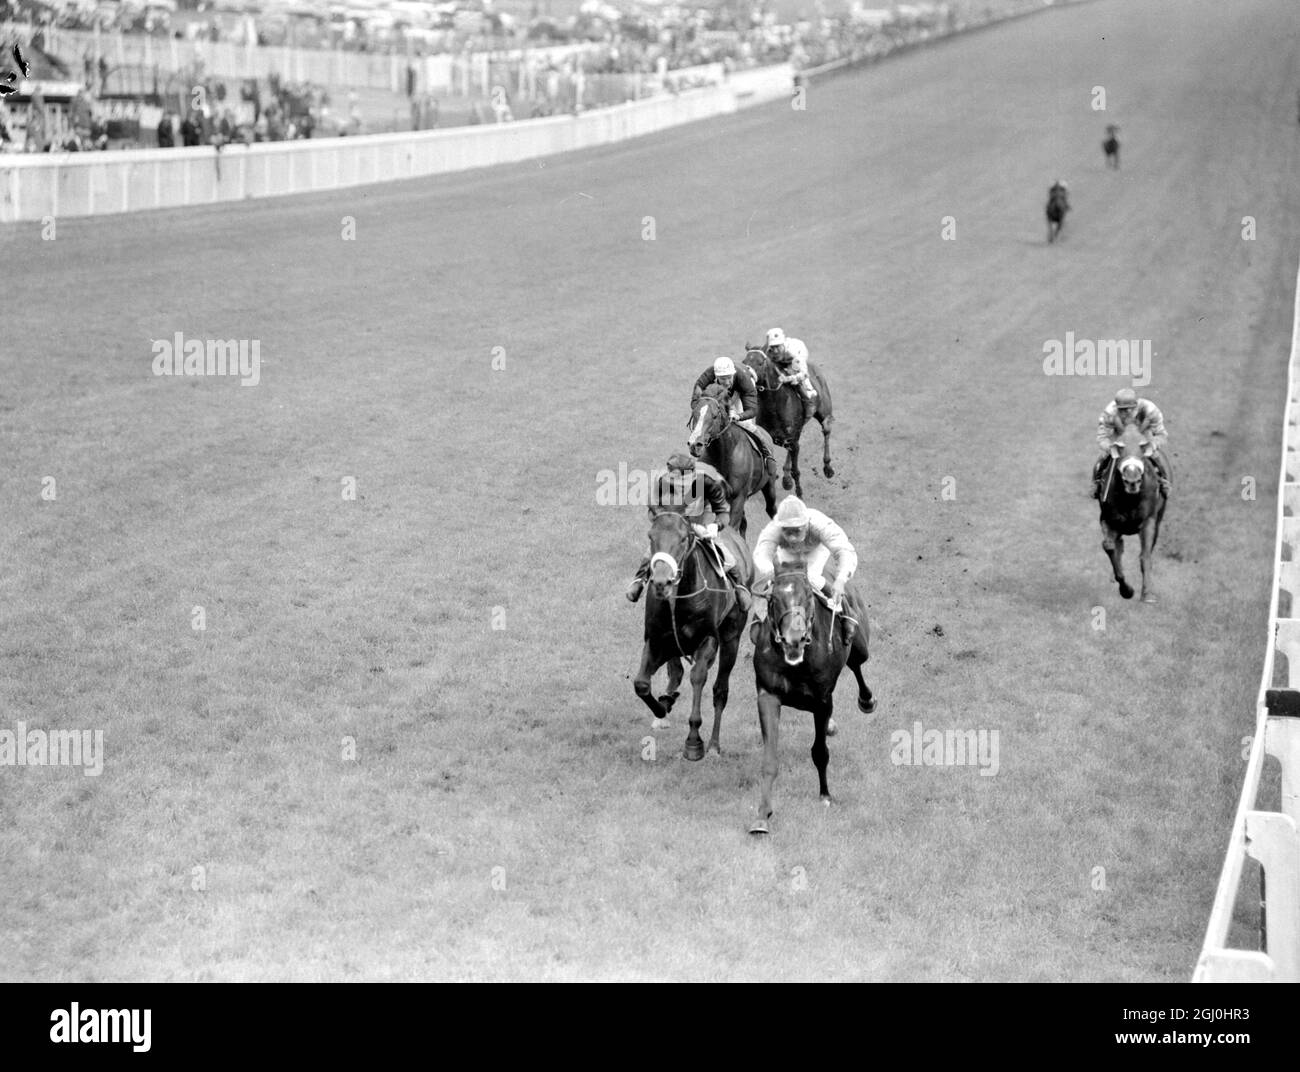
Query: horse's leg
[1113,544]
[674,683]
[704,656]
[857,657]
[641,683]
[793,458]
[769,721]
[787,481]
[821,755]
[727,652]
[1148,545]
[825,422]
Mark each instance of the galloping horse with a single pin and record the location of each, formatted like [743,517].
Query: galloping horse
[691,611]
[1131,503]
[731,450]
[1057,206]
[780,412]
[798,657]
[1111,147]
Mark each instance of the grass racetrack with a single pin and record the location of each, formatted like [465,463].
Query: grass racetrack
[463,621]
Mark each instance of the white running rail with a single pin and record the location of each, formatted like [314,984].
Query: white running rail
[1270,837]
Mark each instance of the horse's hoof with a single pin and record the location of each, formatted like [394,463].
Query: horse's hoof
[787,483]
[867,707]
[760,827]
[829,472]
[714,752]
[667,700]
[659,723]
[1126,591]
[827,800]
[831,728]
[1150,597]
[693,752]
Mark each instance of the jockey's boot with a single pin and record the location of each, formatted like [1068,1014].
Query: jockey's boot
[760,618]
[742,590]
[1162,474]
[848,629]
[637,586]
[769,460]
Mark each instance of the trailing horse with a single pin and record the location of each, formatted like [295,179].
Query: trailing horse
[691,611]
[718,440]
[1058,205]
[1131,504]
[780,412]
[798,656]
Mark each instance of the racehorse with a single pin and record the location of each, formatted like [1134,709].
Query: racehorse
[1111,147]
[798,657]
[1057,207]
[691,611]
[731,450]
[780,412]
[1131,503]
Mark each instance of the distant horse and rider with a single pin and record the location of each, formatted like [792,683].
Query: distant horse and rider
[1058,204]
[1111,147]
[1135,489]
[791,392]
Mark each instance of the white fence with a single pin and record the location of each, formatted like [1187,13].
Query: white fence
[85,184]
[1270,837]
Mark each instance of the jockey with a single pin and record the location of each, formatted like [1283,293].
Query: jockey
[742,400]
[1127,408]
[702,491]
[806,537]
[791,357]
[1061,189]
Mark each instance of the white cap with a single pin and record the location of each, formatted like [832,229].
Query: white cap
[792,513]
[775,337]
[724,366]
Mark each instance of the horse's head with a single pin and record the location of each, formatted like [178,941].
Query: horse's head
[766,376]
[671,538]
[1133,449]
[709,418]
[791,607]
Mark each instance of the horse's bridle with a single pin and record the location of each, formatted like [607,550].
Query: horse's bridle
[702,442]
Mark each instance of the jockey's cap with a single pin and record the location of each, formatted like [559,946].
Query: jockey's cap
[1125,398]
[775,337]
[792,513]
[724,366]
[681,460]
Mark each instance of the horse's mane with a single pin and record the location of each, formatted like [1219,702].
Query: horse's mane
[715,390]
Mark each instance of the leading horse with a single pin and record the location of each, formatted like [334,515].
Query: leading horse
[691,612]
[1131,504]
[721,442]
[780,412]
[798,656]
